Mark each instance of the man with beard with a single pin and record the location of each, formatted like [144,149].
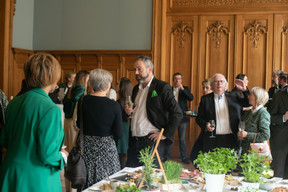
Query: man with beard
[155,108]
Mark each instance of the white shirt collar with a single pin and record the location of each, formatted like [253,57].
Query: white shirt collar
[257,108]
[148,85]
[219,97]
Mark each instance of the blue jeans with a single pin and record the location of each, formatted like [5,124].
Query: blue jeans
[182,142]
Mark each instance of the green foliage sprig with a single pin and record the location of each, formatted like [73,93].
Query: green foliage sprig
[172,171]
[148,165]
[218,161]
[253,167]
[127,188]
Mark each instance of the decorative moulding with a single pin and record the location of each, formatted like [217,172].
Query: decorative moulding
[217,30]
[189,3]
[285,30]
[180,30]
[254,30]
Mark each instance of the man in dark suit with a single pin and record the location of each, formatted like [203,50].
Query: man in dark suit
[275,87]
[155,108]
[225,109]
[182,94]
[279,133]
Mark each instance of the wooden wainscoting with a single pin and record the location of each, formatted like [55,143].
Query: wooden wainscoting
[119,63]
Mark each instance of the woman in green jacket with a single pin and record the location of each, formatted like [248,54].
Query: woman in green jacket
[33,133]
[257,120]
[70,100]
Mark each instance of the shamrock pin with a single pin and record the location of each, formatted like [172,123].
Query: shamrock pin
[154,94]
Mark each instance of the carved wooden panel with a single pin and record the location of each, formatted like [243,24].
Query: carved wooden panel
[217,46]
[254,55]
[119,63]
[280,59]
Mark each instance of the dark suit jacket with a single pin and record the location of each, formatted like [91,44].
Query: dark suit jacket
[162,110]
[183,97]
[279,129]
[206,112]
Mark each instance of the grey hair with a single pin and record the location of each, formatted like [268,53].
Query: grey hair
[213,79]
[277,72]
[147,61]
[100,79]
[261,95]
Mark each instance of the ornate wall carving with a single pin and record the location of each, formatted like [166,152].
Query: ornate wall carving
[180,31]
[190,3]
[254,30]
[217,30]
[285,30]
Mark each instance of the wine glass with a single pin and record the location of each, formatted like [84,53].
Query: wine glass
[129,104]
[212,126]
[241,126]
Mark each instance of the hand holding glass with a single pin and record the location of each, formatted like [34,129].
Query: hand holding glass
[212,126]
[129,104]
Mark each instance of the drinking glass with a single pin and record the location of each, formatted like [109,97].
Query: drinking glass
[128,102]
[241,126]
[212,126]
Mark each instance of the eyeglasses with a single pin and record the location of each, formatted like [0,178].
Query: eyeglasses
[219,82]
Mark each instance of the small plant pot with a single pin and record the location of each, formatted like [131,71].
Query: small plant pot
[154,189]
[252,185]
[172,186]
[214,182]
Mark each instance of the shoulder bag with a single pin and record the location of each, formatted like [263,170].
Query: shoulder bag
[262,149]
[75,171]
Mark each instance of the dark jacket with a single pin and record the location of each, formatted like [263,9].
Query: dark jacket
[162,108]
[69,103]
[183,97]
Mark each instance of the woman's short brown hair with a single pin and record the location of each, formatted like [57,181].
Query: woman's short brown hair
[41,70]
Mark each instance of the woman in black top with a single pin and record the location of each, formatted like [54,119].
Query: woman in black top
[102,121]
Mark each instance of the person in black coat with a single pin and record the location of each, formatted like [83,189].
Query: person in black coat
[155,108]
[225,109]
[182,94]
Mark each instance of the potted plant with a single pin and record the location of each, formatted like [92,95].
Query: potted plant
[215,164]
[172,171]
[147,171]
[253,169]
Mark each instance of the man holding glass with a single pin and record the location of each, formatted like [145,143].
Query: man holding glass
[224,109]
[155,108]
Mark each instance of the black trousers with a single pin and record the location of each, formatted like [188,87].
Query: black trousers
[138,143]
[226,141]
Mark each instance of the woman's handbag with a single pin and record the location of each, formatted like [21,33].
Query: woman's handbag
[75,171]
[262,149]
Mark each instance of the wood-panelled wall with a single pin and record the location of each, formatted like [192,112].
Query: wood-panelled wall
[196,38]
[119,63]
[202,37]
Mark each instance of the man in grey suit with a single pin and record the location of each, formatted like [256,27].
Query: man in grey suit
[279,133]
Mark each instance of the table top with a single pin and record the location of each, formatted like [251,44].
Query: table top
[187,186]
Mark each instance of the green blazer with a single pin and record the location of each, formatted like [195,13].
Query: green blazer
[259,123]
[33,136]
[70,103]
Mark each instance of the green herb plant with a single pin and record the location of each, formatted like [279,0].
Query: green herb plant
[218,161]
[172,171]
[148,165]
[253,167]
[127,188]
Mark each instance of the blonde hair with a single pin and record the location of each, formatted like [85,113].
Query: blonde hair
[261,95]
[41,70]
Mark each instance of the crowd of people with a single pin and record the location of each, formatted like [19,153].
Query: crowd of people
[115,130]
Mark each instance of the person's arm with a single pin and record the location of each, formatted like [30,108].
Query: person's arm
[263,133]
[202,116]
[189,96]
[276,111]
[117,124]
[50,136]
[174,110]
